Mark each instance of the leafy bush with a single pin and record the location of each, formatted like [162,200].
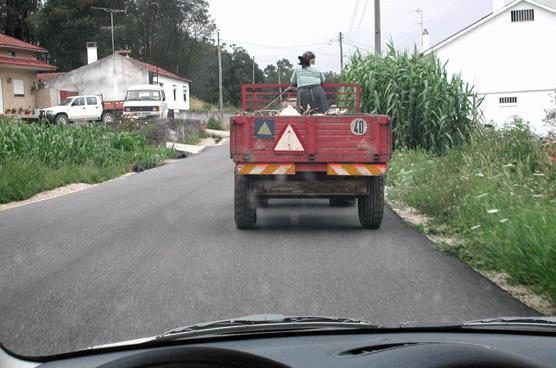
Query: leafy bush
[215,124]
[497,193]
[35,157]
[429,109]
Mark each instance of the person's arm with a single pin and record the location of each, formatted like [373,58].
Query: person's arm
[293,80]
[322,78]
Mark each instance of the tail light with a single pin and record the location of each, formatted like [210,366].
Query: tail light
[155,108]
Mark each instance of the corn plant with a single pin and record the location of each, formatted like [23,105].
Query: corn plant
[429,109]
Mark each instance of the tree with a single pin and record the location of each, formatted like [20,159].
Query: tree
[551,114]
[173,34]
[286,70]
[332,77]
[14,15]
[64,26]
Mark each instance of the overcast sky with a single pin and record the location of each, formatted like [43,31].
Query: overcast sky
[271,30]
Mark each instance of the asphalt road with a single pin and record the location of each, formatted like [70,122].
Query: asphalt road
[145,253]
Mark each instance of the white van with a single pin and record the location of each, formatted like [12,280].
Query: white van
[145,101]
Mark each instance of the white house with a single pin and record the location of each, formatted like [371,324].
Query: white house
[111,77]
[510,57]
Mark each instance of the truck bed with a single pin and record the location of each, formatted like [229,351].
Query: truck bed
[324,140]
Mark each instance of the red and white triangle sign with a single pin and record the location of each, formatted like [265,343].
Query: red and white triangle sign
[289,141]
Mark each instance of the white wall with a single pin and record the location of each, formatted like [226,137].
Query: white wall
[531,107]
[179,103]
[502,58]
[110,77]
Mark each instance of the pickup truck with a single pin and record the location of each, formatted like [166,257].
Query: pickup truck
[78,108]
[341,155]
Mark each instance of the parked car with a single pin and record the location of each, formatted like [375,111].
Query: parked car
[78,108]
[145,101]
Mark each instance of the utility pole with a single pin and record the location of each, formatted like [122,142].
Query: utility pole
[111,11]
[220,96]
[279,79]
[378,36]
[422,24]
[341,39]
[253,70]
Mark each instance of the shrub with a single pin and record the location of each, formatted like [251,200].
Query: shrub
[36,157]
[215,124]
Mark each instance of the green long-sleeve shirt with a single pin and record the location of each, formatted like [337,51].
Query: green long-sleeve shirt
[308,76]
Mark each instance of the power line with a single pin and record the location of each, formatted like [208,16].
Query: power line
[355,43]
[353,16]
[362,17]
[273,46]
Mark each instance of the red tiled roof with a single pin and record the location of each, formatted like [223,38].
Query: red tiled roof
[157,70]
[7,41]
[30,63]
[48,76]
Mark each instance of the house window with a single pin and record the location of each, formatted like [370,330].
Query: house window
[508,100]
[524,15]
[184,93]
[175,94]
[19,88]
[13,53]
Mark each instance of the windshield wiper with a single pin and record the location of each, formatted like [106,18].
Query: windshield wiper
[513,321]
[264,323]
[500,322]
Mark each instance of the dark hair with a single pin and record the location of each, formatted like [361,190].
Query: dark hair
[305,59]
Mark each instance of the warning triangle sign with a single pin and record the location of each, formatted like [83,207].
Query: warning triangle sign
[264,130]
[289,141]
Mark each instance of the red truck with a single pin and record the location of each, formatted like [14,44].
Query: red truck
[341,155]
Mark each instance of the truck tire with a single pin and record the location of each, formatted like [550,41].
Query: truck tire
[107,118]
[371,207]
[61,119]
[342,202]
[245,206]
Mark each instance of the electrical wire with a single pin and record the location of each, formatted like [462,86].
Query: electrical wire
[355,43]
[273,46]
[361,17]
[353,16]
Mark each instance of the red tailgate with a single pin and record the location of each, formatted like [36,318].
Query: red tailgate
[324,139]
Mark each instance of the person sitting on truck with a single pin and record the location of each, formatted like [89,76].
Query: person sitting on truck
[308,79]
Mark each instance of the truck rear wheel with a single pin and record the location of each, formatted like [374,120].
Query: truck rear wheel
[371,207]
[245,208]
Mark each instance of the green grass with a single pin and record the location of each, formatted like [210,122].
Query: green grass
[38,157]
[496,193]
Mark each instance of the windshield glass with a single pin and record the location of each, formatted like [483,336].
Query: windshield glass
[379,160]
[66,102]
[142,95]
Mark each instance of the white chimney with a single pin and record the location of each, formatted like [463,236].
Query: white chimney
[426,40]
[497,5]
[91,52]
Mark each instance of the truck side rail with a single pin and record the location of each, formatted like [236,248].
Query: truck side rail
[258,97]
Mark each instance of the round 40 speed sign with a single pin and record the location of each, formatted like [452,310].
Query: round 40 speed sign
[358,126]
